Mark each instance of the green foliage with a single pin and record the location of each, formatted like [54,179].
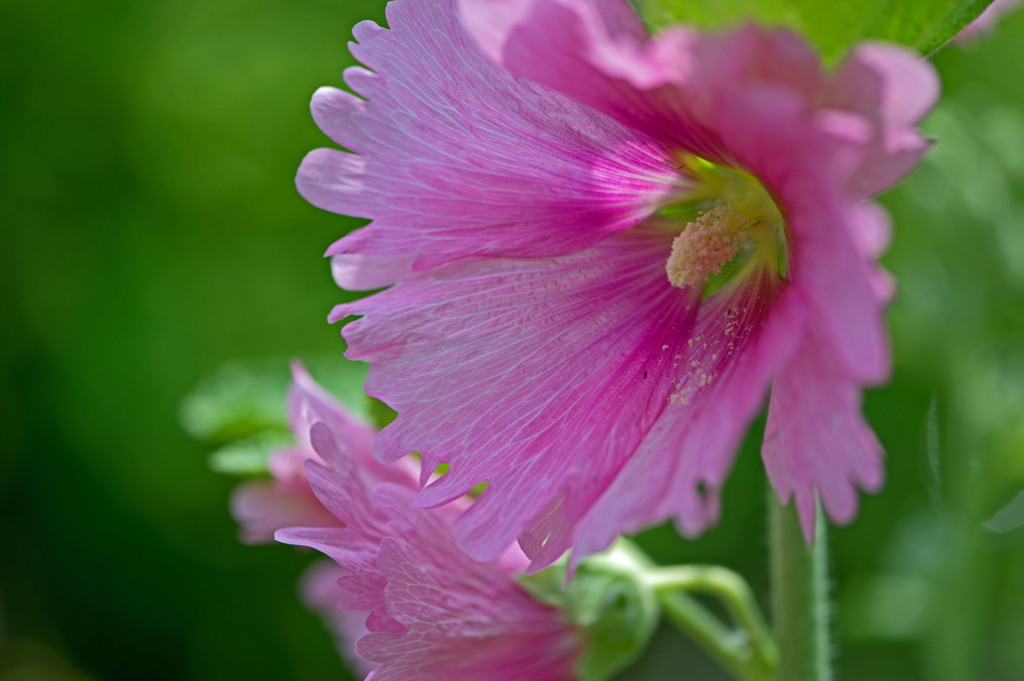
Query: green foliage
[381,414]
[243,404]
[238,401]
[833,27]
[243,399]
[248,457]
[610,600]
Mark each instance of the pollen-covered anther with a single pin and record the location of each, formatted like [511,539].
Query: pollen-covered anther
[705,246]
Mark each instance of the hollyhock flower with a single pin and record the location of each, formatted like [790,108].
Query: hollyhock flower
[394,563]
[262,508]
[603,248]
[288,500]
[433,614]
[987,21]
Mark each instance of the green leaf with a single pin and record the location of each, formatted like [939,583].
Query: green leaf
[833,27]
[610,599]
[248,457]
[238,401]
[243,399]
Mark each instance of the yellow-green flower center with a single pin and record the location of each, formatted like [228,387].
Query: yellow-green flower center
[732,226]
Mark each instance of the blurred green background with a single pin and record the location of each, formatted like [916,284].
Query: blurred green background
[151,232]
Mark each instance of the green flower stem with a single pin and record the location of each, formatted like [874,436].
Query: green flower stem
[730,648]
[734,593]
[748,652]
[799,595]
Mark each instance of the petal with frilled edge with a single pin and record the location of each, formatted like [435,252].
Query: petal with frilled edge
[453,157]
[321,593]
[553,369]
[464,620]
[817,444]
[591,51]
[346,439]
[261,509]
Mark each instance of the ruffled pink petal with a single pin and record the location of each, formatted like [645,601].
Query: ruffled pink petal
[347,439]
[771,129]
[847,291]
[464,620]
[906,86]
[609,320]
[398,572]
[289,501]
[356,554]
[558,366]
[433,614]
[585,49]
[678,471]
[335,181]
[871,230]
[343,487]
[309,403]
[491,22]
[456,158]
[321,593]
[365,272]
[666,86]
[261,509]
[817,444]
[892,90]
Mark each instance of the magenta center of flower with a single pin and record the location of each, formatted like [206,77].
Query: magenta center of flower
[732,226]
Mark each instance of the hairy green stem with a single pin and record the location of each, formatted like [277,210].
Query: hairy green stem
[800,610]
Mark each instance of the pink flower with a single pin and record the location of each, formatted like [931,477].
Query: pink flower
[288,501]
[986,23]
[433,613]
[603,248]
[262,508]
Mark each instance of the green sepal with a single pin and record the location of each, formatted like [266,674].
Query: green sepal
[610,600]
[833,27]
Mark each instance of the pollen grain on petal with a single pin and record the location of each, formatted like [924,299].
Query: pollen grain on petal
[705,246]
